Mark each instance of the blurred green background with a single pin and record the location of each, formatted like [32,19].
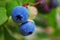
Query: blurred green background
[10,30]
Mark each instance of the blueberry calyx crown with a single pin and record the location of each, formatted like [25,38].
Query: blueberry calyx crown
[18,17]
[29,33]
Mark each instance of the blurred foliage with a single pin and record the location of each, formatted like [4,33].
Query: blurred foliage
[8,32]
[3,16]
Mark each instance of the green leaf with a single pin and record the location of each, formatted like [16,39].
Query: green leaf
[9,6]
[20,2]
[3,16]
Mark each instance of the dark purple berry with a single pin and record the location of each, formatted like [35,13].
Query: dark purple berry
[43,6]
[45,9]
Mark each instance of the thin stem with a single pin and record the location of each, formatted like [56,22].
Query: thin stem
[33,4]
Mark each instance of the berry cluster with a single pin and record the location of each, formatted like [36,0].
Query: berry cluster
[20,14]
[44,6]
[26,13]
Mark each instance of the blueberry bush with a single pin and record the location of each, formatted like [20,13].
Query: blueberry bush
[10,30]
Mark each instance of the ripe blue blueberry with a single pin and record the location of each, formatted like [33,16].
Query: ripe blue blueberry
[27,28]
[20,14]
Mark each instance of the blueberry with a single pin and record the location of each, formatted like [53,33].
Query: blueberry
[27,28]
[20,14]
[53,3]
